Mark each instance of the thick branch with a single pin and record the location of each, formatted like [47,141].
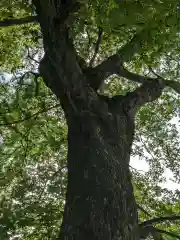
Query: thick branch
[155,232]
[147,230]
[160,219]
[168,233]
[113,65]
[148,92]
[98,74]
[142,79]
[20,21]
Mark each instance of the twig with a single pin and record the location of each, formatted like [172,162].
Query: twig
[36,75]
[45,184]
[30,57]
[143,210]
[152,71]
[25,147]
[137,170]
[96,47]
[89,40]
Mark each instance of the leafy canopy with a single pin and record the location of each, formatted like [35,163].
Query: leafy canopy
[33,131]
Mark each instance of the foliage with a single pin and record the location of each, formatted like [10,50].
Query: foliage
[33,129]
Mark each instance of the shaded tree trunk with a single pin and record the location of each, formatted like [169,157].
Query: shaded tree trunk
[100,202]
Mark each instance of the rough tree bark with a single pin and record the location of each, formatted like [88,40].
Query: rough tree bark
[100,203]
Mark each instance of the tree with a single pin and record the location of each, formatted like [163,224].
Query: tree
[99,201]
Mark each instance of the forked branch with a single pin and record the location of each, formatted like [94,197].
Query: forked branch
[114,65]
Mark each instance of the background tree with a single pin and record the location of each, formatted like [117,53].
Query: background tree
[85,44]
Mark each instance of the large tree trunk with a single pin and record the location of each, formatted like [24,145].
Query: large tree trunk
[100,202]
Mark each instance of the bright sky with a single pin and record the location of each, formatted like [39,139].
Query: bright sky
[143,166]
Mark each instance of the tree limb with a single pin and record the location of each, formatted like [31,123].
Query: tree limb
[105,69]
[160,219]
[155,232]
[168,233]
[145,231]
[143,79]
[114,65]
[147,92]
[20,21]
[147,228]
